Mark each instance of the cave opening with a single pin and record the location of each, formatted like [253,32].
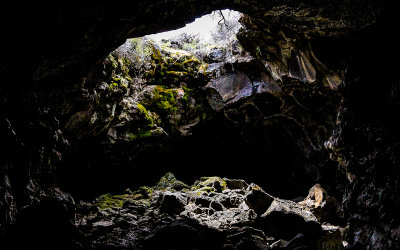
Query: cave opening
[309,96]
[209,99]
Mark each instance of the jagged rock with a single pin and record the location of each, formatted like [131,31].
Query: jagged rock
[169,182]
[257,199]
[267,87]
[279,244]
[301,68]
[215,69]
[203,201]
[236,184]
[209,184]
[232,87]
[231,197]
[321,204]
[172,202]
[285,219]
[50,220]
[161,99]
[184,234]
[216,55]
[332,238]
[49,83]
[247,238]
[214,211]
[297,242]
[215,99]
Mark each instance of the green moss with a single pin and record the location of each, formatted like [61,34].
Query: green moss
[131,136]
[113,85]
[191,62]
[142,52]
[209,184]
[188,91]
[207,189]
[110,201]
[114,63]
[166,45]
[203,66]
[143,192]
[140,134]
[142,195]
[156,55]
[176,73]
[149,118]
[145,127]
[144,133]
[119,76]
[170,66]
[187,94]
[169,182]
[146,202]
[164,101]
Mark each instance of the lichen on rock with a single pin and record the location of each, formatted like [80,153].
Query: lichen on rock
[223,209]
[209,184]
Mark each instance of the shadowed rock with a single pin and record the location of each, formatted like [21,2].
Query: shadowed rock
[208,210]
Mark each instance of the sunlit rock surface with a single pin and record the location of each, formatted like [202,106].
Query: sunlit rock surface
[151,95]
[213,213]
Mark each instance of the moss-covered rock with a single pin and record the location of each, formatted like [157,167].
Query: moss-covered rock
[143,192]
[209,184]
[141,196]
[117,70]
[169,182]
[211,204]
[107,201]
[170,66]
[163,101]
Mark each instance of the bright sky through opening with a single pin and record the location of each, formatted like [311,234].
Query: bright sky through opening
[203,26]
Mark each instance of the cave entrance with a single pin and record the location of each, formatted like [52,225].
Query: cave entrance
[195,102]
[217,28]
[199,46]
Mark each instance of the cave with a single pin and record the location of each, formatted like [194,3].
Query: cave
[279,134]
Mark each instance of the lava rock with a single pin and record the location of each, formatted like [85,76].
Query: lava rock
[285,219]
[257,199]
[324,207]
[172,203]
[236,184]
[232,87]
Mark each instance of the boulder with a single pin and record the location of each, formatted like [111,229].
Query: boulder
[257,199]
[232,87]
[321,204]
[172,203]
[285,219]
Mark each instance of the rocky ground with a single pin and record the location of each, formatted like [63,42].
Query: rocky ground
[213,213]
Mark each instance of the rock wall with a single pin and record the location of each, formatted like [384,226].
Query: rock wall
[50,47]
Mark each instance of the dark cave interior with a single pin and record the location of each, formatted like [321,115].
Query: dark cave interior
[329,116]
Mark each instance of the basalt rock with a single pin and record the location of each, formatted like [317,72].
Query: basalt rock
[158,100]
[66,123]
[183,219]
[324,207]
